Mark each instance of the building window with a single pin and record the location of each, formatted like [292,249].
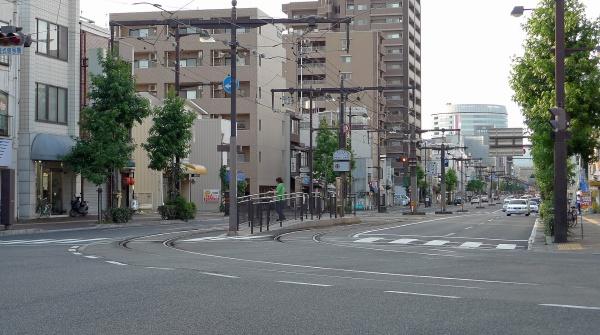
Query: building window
[142,32]
[359,22]
[393,36]
[259,125]
[394,51]
[361,7]
[51,104]
[346,59]
[346,75]
[52,40]
[345,44]
[350,6]
[393,5]
[259,156]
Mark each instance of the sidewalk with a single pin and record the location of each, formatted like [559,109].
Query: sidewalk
[65,223]
[590,241]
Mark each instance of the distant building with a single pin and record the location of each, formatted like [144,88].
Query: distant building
[471,119]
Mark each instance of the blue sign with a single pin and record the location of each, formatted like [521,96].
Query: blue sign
[446,162]
[241,176]
[13,50]
[227,84]
[583,185]
[305,180]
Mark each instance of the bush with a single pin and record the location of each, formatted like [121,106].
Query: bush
[119,215]
[547,216]
[177,209]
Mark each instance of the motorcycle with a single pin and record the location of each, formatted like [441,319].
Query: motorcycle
[78,207]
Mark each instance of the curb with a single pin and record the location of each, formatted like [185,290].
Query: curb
[307,225]
[531,240]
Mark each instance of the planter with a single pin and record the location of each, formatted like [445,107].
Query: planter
[548,239]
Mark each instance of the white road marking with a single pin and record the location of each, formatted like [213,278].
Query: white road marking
[91,257]
[222,238]
[159,268]
[72,249]
[219,275]
[436,242]
[302,266]
[75,246]
[506,246]
[115,263]
[471,245]
[50,241]
[436,236]
[468,227]
[368,239]
[572,306]
[302,283]
[425,295]
[77,253]
[403,241]
[449,234]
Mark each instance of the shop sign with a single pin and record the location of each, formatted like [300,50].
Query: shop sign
[211,195]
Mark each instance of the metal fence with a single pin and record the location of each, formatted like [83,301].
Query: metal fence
[260,211]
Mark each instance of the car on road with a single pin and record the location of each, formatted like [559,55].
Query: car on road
[505,204]
[402,200]
[458,201]
[475,200]
[484,198]
[518,206]
[535,208]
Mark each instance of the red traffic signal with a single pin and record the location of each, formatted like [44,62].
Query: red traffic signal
[12,36]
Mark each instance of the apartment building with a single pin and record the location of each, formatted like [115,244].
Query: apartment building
[399,24]
[9,102]
[48,105]
[262,134]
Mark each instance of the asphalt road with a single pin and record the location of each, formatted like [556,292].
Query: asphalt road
[457,274]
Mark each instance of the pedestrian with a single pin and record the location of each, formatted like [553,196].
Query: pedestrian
[279,198]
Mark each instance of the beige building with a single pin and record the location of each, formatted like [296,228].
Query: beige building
[399,23]
[263,134]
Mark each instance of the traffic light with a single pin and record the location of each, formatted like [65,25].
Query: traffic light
[12,36]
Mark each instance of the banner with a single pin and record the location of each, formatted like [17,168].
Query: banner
[212,195]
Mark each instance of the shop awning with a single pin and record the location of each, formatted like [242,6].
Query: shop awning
[193,169]
[50,147]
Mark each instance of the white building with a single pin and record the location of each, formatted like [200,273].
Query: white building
[9,102]
[49,104]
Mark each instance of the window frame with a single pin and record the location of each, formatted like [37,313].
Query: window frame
[62,40]
[60,91]
[4,59]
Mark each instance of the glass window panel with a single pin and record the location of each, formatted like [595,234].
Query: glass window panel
[42,36]
[62,105]
[63,40]
[41,102]
[52,104]
[191,94]
[53,40]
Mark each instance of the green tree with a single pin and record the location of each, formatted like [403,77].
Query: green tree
[105,146]
[532,79]
[327,144]
[451,180]
[475,185]
[170,139]
[422,182]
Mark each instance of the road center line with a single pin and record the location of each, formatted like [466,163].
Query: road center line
[425,295]
[159,268]
[91,257]
[219,275]
[115,263]
[302,283]
[572,306]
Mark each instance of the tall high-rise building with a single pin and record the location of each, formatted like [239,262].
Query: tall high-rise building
[471,119]
[393,58]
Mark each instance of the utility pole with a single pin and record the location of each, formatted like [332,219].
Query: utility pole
[560,146]
[442,149]
[310,157]
[233,24]
[342,144]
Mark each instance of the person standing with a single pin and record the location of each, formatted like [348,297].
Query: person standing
[279,198]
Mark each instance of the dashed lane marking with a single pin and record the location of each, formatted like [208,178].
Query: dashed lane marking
[91,257]
[436,242]
[572,306]
[425,294]
[302,283]
[471,245]
[219,275]
[115,263]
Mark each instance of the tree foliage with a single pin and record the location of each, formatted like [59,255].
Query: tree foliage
[475,185]
[532,79]
[327,144]
[106,145]
[451,180]
[170,138]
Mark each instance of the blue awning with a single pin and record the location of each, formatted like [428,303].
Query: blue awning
[50,147]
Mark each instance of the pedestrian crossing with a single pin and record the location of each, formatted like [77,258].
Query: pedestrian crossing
[459,243]
[51,241]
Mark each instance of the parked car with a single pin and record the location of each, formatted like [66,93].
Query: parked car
[535,208]
[475,200]
[402,200]
[484,198]
[458,201]
[505,204]
[518,206]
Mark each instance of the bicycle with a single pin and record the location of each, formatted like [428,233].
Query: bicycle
[572,217]
[44,208]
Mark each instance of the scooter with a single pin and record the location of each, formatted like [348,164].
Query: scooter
[78,207]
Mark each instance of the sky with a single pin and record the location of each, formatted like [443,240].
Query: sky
[467,45]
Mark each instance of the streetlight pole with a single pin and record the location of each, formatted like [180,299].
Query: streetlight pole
[233,139]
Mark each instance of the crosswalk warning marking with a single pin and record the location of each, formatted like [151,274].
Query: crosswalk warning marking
[471,245]
[403,241]
[506,246]
[368,239]
[436,242]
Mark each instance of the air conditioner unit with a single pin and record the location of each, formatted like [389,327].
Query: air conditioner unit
[152,87]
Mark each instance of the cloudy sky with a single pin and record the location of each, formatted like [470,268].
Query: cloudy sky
[467,45]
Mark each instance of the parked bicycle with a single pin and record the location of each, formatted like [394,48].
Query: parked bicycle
[44,208]
[572,217]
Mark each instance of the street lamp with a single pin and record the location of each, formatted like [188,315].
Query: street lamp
[518,11]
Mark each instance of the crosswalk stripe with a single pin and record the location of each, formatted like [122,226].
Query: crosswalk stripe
[403,241]
[51,241]
[506,246]
[436,242]
[471,245]
[368,239]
